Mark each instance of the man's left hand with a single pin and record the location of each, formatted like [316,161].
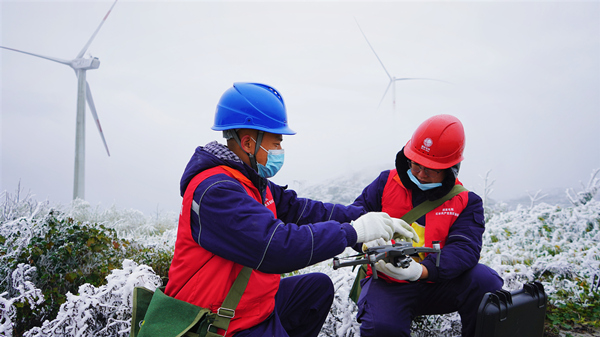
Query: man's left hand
[412,273]
[375,243]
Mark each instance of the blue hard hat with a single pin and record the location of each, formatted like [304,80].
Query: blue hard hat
[252,106]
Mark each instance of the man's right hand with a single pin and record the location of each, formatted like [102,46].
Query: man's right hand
[373,225]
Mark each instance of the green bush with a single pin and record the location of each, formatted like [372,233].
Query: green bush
[68,254]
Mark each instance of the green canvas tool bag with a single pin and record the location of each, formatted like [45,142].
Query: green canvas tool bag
[410,217]
[156,314]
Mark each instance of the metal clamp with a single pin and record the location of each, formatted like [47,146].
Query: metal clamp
[229,313]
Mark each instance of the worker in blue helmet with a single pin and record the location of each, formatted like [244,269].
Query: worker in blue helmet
[234,219]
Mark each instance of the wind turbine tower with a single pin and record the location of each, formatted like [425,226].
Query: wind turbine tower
[80,65]
[393,79]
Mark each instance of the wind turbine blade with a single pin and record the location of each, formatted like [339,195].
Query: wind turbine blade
[419,78]
[384,93]
[87,45]
[90,100]
[390,76]
[41,56]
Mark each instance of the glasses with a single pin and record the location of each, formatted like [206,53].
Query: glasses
[428,172]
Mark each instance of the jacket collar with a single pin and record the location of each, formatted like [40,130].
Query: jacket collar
[215,154]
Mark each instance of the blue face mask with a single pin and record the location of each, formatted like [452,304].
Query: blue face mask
[423,187]
[274,163]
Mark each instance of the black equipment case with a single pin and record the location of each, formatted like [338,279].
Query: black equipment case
[520,313]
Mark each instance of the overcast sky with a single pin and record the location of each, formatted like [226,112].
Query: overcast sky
[524,78]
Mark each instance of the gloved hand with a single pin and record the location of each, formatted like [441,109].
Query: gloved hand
[373,225]
[375,243]
[404,231]
[412,273]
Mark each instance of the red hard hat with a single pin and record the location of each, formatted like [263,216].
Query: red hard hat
[438,143]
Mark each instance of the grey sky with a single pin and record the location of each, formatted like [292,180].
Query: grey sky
[524,79]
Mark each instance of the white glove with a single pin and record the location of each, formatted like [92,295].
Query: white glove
[373,225]
[404,231]
[412,273]
[375,243]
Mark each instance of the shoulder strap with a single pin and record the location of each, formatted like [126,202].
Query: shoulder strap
[227,309]
[427,206]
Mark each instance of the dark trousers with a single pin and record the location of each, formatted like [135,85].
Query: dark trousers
[302,304]
[387,309]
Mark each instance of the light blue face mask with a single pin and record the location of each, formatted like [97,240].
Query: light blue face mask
[274,163]
[423,187]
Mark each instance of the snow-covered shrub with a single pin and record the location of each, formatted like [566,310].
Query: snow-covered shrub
[447,325]
[66,254]
[558,246]
[100,311]
[20,205]
[152,238]
[554,245]
[589,191]
[341,320]
[158,231]
[22,295]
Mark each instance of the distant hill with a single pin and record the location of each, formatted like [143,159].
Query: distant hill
[557,196]
[345,189]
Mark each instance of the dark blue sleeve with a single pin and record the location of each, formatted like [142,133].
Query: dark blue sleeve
[462,249]
[370,198]
[301,211]
[235,226]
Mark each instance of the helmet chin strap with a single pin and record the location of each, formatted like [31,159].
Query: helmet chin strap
[251,156]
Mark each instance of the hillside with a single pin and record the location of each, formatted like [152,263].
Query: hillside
[553,244]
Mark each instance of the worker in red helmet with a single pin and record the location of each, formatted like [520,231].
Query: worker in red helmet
[426,171]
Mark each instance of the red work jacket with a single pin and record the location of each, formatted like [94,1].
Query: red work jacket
[396,200]
[202,278]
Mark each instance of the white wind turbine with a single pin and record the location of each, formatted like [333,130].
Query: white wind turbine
[80,65]
[393,79]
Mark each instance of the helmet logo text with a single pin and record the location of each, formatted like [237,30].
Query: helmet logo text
[427,144]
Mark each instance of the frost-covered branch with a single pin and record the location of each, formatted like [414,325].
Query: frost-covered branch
[535,198]
[588,192]
[15,205]
[23,291]
[487,188]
